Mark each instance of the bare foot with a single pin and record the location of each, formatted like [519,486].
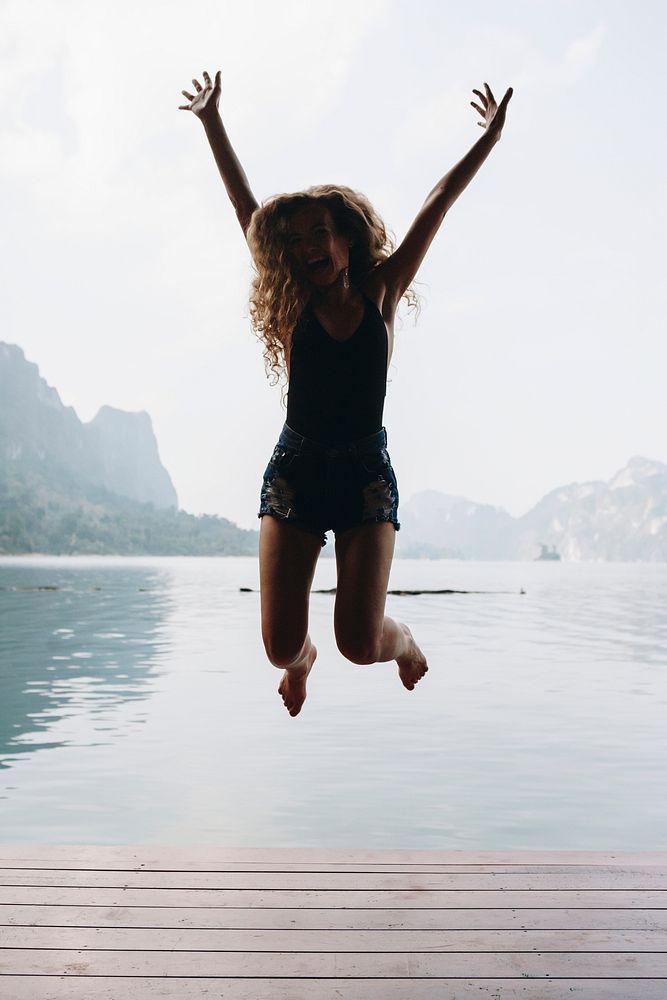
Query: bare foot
[412,664]
[292,687]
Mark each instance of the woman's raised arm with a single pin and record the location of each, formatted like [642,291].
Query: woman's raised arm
[398,271]
[204,104]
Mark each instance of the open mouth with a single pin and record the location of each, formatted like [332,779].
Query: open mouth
[320,264]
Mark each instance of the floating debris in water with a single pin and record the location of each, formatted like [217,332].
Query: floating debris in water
[406,593]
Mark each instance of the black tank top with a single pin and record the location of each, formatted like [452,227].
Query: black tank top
[337,388]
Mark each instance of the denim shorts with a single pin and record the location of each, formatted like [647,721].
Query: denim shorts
[321,488]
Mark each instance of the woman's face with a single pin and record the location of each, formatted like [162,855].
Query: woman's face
[318,251]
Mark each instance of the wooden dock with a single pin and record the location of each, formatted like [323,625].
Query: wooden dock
[132,923]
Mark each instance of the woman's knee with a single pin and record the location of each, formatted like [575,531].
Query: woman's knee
[283,650]
[359,647]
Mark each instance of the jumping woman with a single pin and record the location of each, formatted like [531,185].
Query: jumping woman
[327,284]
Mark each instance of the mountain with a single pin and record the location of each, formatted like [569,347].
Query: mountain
[623,519]
[438,526]
[131,464]
[99,487]
[45,440]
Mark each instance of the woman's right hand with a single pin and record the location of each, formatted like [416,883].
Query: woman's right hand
[492,113]
[204,104]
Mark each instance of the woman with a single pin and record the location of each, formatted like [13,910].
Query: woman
[327,285]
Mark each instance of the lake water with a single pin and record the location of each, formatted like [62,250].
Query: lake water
[137,707]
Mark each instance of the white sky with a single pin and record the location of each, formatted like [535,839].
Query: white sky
[540,354]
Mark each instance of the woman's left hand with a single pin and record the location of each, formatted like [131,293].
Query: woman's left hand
[492,113]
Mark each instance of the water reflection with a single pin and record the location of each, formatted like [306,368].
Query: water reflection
[542,723]
[74,640]
[614,620]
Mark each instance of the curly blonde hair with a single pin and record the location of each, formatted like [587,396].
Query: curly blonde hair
[277,297]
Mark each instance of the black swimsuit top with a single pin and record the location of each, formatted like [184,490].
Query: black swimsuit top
[337,387]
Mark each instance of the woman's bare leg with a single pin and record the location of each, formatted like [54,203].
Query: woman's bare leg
[363,632]
[287,560]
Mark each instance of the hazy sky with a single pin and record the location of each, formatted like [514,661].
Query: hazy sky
[540,354]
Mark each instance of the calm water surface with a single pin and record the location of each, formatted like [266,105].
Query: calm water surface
[137,706]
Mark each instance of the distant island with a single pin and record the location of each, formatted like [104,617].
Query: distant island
[68,487]
[624,519]
[548,554]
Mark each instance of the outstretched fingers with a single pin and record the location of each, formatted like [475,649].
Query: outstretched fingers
[209,83]
[482,110]
[202,99]
[488,105]
[505,100]
[489,110]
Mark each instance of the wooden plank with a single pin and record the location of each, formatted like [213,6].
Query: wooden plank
[392,899]
[605,878]
[348,965]
[286,924]
[214,939]
[86,988]
[317,919]
[206,857]
[62,864]
[191,865]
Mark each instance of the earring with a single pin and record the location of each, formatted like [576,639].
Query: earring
[346,277]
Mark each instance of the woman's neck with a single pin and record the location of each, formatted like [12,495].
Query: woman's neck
[334,297]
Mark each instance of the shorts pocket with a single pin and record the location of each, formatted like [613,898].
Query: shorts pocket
[375,463]
[283,457]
